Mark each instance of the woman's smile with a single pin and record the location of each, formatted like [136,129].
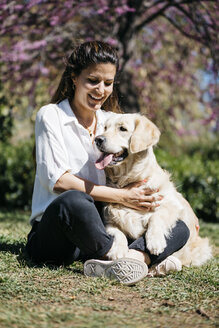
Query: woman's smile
[96,98]
[92,87]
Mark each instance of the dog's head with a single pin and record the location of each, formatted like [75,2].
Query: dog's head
[123,135]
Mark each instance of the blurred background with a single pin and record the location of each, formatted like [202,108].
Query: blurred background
[168,71]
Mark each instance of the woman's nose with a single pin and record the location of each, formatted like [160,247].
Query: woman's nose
[100,87]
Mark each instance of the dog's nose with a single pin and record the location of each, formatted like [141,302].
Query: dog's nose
[99,140]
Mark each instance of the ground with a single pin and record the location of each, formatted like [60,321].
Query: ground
[32,296]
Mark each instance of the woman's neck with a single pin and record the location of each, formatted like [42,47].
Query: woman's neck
[86,118]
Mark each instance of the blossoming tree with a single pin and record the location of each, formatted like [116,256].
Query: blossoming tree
[167,47]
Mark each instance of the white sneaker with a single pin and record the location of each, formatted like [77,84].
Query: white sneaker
[170,264]
[126,270]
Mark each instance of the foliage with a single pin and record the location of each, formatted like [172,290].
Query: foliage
[6,119]
[160,70]
[196,20]
[46,296]
[16,174]
[170,78]
[196,175]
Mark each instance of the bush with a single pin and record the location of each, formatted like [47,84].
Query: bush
[196,176]
[16,175]
[6,119]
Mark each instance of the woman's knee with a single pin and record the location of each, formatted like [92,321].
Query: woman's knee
[182,230]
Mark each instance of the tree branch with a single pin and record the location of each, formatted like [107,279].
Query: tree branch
[194,37]
[214,23]
[128,19]
[152,17]
[187,14]
[184,2]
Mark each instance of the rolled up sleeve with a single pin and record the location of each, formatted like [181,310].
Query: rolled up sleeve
[51,153]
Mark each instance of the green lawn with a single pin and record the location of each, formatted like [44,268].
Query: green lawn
[44,297]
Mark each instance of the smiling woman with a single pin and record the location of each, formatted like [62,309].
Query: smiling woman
[67,221]
[92,88]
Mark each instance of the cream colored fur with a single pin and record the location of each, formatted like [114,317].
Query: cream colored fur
[122,222]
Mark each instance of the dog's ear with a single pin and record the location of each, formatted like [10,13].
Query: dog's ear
[146,134]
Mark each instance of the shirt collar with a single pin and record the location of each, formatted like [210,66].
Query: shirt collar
[67,112]
[69,116]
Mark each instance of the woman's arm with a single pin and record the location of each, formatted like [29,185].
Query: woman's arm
[130,196]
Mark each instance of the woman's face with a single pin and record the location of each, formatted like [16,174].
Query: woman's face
[93,86]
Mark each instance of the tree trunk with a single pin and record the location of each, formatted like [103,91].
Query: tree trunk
[128,94]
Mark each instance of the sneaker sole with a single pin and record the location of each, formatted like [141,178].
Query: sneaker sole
[125,270]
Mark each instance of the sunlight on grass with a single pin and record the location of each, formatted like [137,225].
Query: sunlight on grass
[42,296]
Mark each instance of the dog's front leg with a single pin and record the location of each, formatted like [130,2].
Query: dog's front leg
[119,248]
[160,225]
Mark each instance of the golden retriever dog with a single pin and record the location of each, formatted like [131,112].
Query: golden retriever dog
[127,157]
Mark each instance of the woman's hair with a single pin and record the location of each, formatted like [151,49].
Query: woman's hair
[84,55]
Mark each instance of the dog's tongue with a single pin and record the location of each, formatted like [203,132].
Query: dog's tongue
[103,161]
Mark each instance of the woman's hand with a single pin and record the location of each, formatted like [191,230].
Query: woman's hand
[140,199]
[131,196]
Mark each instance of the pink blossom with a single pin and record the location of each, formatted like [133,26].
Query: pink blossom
[168,62]
[124,9]
[102,10]
[112,41]
[54,20]
[181,132]
[44,70]
[32,3]
[16,57]
[38,44]
[18,7]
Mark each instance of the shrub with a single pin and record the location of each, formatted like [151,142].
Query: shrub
[6,119]
[196,176]
[16,175]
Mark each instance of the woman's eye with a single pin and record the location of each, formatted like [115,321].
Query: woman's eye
[107,84]
[93,81]
[122,129]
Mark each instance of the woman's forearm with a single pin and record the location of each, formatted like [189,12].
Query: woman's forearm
[99,193]
[130,196]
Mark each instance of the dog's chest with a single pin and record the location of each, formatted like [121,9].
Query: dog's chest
[133,223]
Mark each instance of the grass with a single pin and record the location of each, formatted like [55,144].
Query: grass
[33,296]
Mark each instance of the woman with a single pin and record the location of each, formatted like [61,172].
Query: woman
[68,191]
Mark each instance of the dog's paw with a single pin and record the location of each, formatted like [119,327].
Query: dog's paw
[156,245]
[117,252]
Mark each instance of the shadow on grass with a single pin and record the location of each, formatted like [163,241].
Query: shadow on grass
[14,248]
[19,249]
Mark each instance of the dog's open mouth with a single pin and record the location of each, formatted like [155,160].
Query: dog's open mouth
[110,159]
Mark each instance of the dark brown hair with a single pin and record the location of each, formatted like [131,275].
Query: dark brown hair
[84,55]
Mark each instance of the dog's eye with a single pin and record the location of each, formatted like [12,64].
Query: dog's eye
[121,128]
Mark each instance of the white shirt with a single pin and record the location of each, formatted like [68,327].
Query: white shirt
[62,145]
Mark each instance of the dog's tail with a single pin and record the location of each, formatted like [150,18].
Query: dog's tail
[196,252]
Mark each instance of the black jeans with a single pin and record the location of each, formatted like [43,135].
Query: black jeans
[72,229]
